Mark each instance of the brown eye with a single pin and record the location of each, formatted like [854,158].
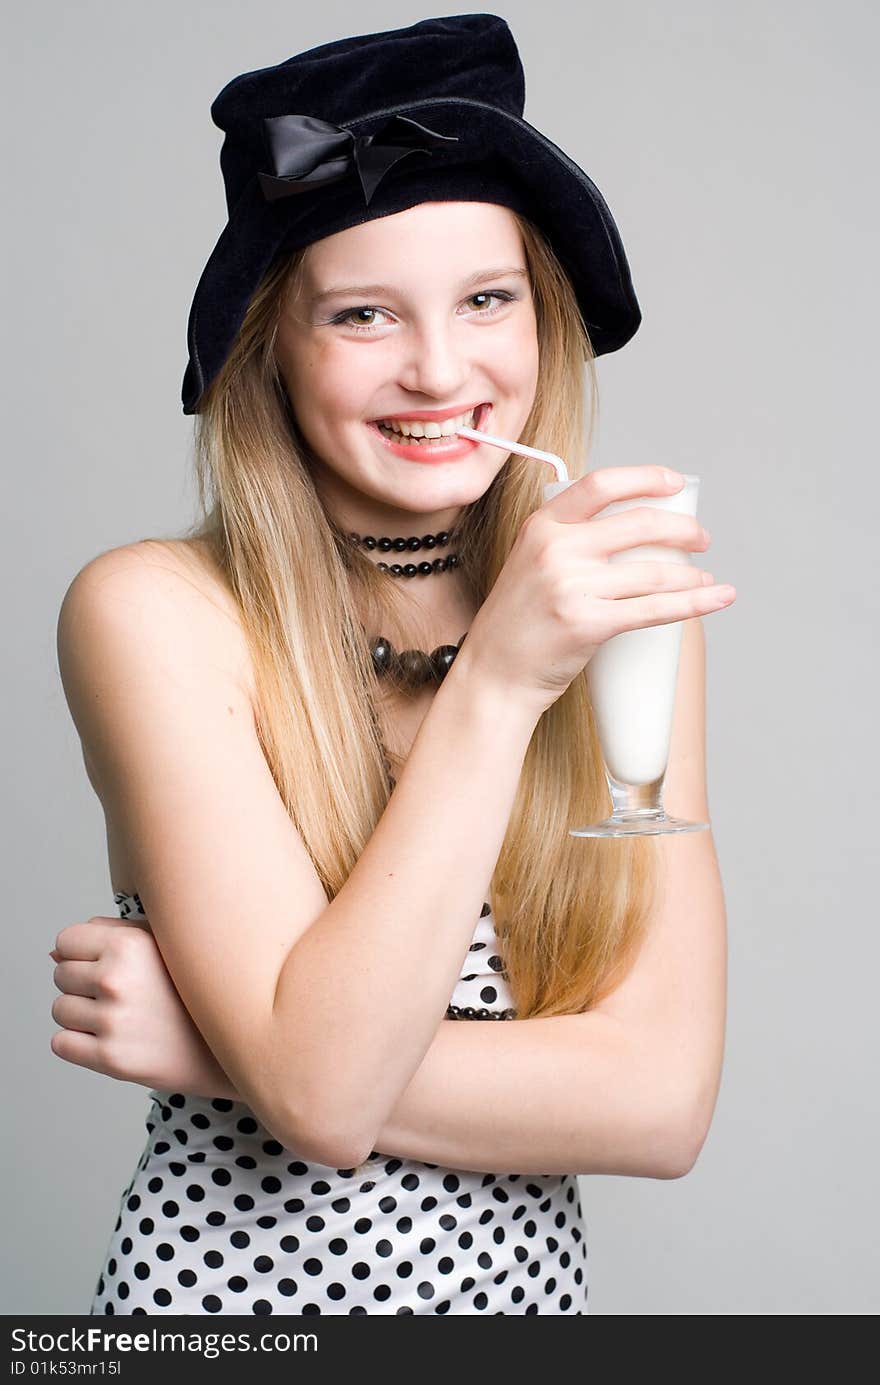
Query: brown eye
[484,296]
[347,318]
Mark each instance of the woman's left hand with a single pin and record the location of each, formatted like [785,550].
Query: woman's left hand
[121,1012]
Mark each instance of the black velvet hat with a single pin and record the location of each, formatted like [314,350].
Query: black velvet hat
[374,124]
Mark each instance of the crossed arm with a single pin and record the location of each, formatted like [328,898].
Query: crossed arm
[628,1087]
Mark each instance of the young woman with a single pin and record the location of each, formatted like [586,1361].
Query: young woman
[327,810]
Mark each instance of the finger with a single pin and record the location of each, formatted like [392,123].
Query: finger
[592,492]
[645,525]
[664,608]
[616,580]
[77,978]
[75,1047]
[77,1012]
[84,942]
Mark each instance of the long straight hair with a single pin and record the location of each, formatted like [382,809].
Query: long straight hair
[570,913]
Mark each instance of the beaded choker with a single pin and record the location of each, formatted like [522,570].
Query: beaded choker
[412,545]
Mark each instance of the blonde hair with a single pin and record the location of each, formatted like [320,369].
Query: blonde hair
[570,913]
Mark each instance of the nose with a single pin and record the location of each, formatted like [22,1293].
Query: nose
[434,363]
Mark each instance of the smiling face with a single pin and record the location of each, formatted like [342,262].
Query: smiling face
[428,310]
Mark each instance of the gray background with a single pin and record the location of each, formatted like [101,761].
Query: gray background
[735,147]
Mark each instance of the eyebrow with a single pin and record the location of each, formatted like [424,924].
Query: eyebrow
[366,290]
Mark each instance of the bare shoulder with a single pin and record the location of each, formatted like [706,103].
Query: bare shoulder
[124,596]
[181,576]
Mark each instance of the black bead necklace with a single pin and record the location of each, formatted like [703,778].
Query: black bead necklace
[411,669]
[411,545]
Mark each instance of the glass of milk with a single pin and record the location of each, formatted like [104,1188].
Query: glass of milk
[632,679]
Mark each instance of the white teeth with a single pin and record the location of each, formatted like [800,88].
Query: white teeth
[415,428]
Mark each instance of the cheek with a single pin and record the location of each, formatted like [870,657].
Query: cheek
[518,359]
[320,382]
[342,377]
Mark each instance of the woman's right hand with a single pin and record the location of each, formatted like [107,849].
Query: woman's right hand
[558,598]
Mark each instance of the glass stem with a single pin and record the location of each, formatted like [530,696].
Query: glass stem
[634,801]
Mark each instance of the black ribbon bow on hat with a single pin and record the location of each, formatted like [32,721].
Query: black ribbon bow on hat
[308,152]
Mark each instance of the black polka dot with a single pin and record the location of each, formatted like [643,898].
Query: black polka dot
[220,1218]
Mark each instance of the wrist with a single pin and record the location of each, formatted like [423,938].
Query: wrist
[505,709]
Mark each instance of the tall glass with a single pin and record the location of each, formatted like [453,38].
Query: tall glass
[632,679]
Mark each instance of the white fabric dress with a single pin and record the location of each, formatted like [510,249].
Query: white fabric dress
[218,1217]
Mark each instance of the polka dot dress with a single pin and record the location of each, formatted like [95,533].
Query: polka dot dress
[218,1217]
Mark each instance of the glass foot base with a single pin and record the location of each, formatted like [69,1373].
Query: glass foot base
[644,824]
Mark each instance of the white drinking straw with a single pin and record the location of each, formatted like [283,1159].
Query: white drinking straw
[519,449]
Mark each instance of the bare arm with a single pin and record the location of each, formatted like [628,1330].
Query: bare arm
[320,1013]
[359,998]
[626,1088]
[568,1094]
